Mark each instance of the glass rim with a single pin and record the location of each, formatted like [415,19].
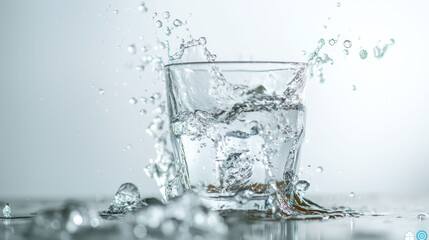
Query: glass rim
[304,64]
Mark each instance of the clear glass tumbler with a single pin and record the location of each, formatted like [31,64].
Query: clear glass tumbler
[236,129]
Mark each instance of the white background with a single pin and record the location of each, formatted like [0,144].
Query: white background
[60,138]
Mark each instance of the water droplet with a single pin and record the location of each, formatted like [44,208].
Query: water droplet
[338,4]
[363,54]
[422,216]
[133,101]
[116,11]
[128,147]
[392,41]
[177,23]
[304,52]
[158,23]
[7,211]
[142,8]
[319,169]
[321,42]
[352,194]
[166,15]
[168,31]
[132,49]
[332,42]
[101,91]
[325,27]
[143,111]
[354,87]
[347,44]
[202,41]
[346,52]
[154,15]
[140,67]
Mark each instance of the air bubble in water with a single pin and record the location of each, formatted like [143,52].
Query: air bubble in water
[243,196]
[347,44]
[332,42]
[338,4]
[352,194]
[101,91]
[7,211]
[158,23]
[166,15]
[177,23]
[363,54]
[319,169]
[127,199]
[133,101]
[132,49]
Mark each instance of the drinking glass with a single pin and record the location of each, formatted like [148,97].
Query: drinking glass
[236,129]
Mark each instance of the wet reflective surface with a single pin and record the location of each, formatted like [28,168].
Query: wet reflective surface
[385,217]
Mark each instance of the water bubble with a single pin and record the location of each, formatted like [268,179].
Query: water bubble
[338,4]
[7,211]
[142,8]
[332,42]
[126,199]
[166,14]
[363,54]
[346,52]
[133,101]
[352,194]
[143,111]
[168,31]
[177,23]
[319,169]
[101,91]
[243,196]
[158,23]
[116,11]
[132,49]
[347,44]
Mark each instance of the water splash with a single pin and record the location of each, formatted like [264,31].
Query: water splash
[63,223]
[127,199]
[7,211]
[379,51]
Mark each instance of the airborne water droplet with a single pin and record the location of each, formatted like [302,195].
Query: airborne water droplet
[166,15]
[101,91]
[142,8]
[354,87]
[158,23]
[140,67]
[352,194]
[132,49]
[346,52]
[202,40]
[177,23]
[319,169]
[338,4]
[363,54]
[143,111]
[332,42]
[132,101]
[167,31]
[347,44]
[116,11]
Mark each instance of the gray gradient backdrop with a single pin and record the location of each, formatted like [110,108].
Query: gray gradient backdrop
[60,138]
